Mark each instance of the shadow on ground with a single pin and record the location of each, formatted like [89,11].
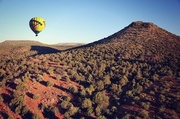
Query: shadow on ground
[44,50]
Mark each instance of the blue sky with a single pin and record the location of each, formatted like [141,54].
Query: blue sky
[83,21]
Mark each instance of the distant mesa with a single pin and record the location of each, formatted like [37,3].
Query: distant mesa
[20,42]
[31,47]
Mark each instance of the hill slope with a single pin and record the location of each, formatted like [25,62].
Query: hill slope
[131,74]
[142,41]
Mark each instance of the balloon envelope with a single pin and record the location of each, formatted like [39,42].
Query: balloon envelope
[37,24]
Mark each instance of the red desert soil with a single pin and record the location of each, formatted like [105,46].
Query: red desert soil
[48,95]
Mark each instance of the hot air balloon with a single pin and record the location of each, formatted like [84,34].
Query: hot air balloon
[37,24]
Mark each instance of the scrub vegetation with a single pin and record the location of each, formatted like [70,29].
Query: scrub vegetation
[133,73]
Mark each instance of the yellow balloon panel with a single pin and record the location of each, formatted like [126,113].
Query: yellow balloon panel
[37,24]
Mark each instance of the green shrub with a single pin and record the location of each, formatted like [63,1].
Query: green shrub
[73,89]
[107,80]
[155,77]
[21,87]
[50,71]
[83,93]
[127,116]
[87,103]
[36,96]
[98,111]
[123,81]
[71,111]
[24,110]
[53,109]
[101,100]
[18,102]
[67,98]
[129,93]
[144,113]
[161,109]
[90,112]
[101,117]
[58,77]
[145,105]
[42,106]
[2,83]
[50,84]
[67,79]
[36,115]
[10,117]
[114,109]
[100,85]
[115,88]
[136,98]
[66,105]
[39,78]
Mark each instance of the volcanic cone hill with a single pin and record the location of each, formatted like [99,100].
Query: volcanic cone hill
[143,41]
[134,73]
